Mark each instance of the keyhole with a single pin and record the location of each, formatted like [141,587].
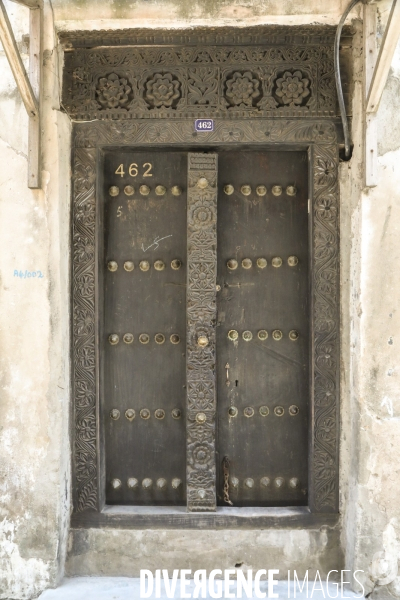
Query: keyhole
[237,382]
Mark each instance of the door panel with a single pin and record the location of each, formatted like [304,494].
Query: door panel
[263,386]
[151,439]
[145,450]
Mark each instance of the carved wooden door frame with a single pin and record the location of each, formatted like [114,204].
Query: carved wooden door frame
[266,87]
[319,137]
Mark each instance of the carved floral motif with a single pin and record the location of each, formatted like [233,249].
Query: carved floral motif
[267,79]
[203,212]
[325,318]
[232,134]
[202,271]
[83,270]
[325,469]
[81,82]
[113,91]
[162,90]
[201,395]
[84,177]
[157,133]
[327,207]
[84,467]
[83,248]
[326,431]
[84,396]
[292,88]
[203,86]
[325,397]
[201,455]
[242,89]
[325,172]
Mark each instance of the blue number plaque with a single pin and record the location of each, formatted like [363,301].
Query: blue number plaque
[204,125]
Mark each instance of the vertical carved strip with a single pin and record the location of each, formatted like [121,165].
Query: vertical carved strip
[84,366]
[201,318]
[325,435]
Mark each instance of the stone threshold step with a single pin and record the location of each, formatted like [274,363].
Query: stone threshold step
[127,588]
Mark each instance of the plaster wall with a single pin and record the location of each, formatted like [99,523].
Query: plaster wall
[371,523]
[34,335]
[124,552]
[34,338]
[120,14]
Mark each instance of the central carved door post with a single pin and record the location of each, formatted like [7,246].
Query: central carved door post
[201,319]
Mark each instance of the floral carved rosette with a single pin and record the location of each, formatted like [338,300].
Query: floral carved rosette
[242,89]
[201,455]
[202,213]
[202,274]
[113,91]
[201,394]
[162,91]
[292,88]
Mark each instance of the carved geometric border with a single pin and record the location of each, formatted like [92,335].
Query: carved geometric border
[320,137]
[83,331]
[258,34]
[325,341]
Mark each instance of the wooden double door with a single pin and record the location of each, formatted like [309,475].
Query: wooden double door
[204,327]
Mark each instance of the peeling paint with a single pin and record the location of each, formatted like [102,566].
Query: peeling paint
[19,578]
[387,402]
[34,357]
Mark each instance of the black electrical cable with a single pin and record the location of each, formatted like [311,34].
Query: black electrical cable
[338,78]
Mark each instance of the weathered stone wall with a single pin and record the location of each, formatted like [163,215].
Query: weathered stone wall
[34,337]
[371,527]
[76,14]
[122,552]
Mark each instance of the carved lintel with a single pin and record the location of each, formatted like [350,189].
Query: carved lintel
[295,79]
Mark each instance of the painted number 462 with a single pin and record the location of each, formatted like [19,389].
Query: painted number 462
[133,170]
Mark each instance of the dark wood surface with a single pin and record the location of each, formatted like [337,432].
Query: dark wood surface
[91,140]
[261,373]
[144,376]
[267,373]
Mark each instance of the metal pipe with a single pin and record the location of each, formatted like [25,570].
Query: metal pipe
[338,79]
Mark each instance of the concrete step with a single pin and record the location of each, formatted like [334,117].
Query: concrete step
[126,588]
